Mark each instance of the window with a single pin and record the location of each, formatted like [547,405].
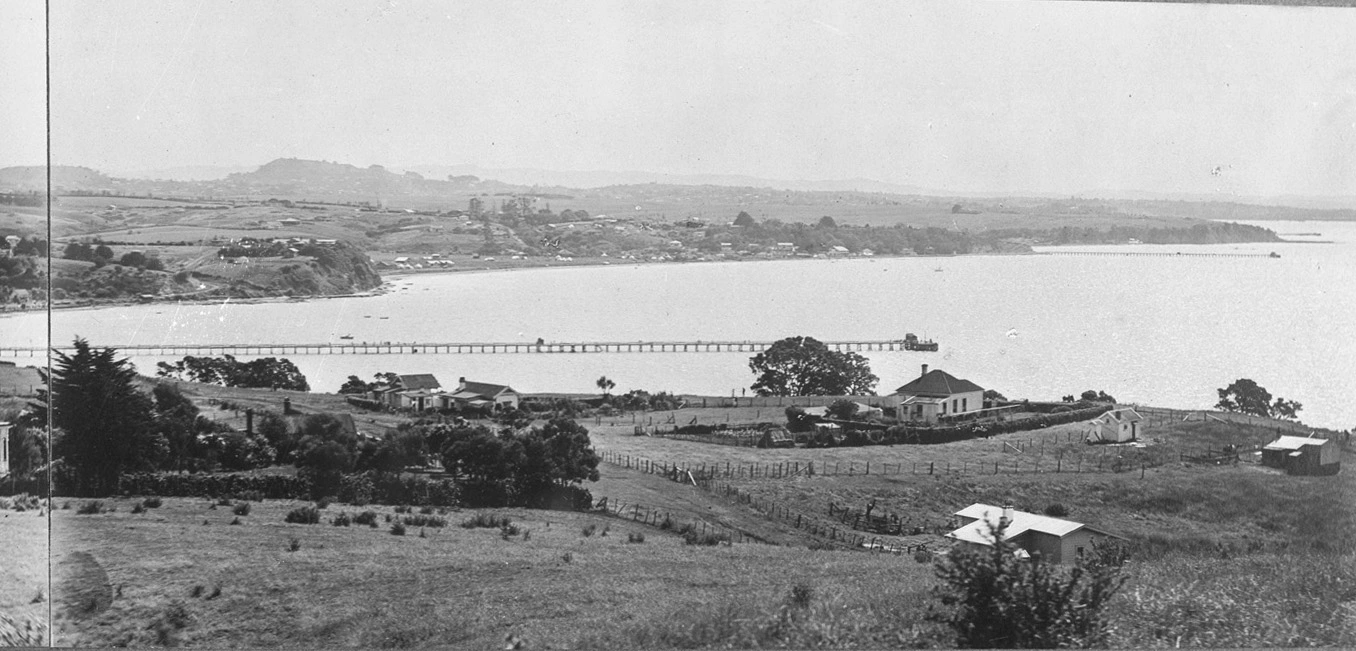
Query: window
[1079,551]
[955,404]
[965,404]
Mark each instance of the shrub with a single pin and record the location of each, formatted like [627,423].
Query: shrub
[527,535]
[216,592]
[241,508]
[801,595]
[636,538]
[421,520]
[567,557]
[294,544]
[509,529]
[709,539]
[426,510]
[138,508]
[342,520]
[995,600]
[90,508]
[589,530]
[198,590]
[1057,510]
[152,502]
[368,518]
[487,521]
[398,529]
[304,515]
[235,521]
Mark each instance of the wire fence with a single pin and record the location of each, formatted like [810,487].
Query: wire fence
[663,519]
[1102,460]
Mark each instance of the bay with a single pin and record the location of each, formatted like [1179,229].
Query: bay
[1164,330]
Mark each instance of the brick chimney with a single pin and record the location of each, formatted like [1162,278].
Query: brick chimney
[1007,515]
[925,369]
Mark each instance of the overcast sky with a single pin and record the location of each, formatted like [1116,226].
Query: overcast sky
[981,96]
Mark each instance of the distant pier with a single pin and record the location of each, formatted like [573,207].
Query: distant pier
[1155,254]
[488,348]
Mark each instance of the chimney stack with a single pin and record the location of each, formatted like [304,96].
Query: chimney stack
[925,369]
[1007,515]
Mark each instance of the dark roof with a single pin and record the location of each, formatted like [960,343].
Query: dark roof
[938,383]
[484,388]
[420,381]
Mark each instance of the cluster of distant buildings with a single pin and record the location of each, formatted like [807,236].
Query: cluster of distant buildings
[423,392]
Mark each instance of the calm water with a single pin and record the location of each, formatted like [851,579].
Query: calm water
[1147,329]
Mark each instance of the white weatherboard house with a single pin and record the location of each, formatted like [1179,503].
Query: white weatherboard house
[935,395]
[1055,539]
[1115,426]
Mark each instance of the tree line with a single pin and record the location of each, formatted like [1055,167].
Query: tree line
[106,424]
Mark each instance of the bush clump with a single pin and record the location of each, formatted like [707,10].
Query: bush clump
[589,530]
[304,515]
[487,521]
[152,502]
[90,508]
[421,520]
[368,518]
[342,520]
[635,538]
[708,539]
[398,528]
[241,508]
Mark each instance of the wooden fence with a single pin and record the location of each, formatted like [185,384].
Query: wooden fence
[665,520]
[1104,460]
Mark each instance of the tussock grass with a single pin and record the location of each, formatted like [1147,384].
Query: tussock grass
[1259,600]
[303,515]
[487,521]
[422,520]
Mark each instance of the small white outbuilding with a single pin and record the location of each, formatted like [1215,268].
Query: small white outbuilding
[1115,426]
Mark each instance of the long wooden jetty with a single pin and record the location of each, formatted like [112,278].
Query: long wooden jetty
[398,348]
[1163,254]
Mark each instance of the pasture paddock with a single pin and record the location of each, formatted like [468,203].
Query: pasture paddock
[464,588]
[24,590]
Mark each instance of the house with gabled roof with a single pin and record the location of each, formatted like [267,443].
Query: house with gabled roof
[418,381]
[482,394]
[936,395]
[1056,540]
[1115,426]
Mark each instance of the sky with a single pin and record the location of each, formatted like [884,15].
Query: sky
[975,96]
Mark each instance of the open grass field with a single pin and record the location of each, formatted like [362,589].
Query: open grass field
[134,579]
[24,589]
[181,574]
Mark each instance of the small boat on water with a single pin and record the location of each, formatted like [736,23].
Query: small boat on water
[346,337]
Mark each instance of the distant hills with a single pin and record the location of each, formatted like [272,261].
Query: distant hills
[451,185]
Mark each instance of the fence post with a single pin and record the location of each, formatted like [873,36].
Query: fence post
[932,466]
